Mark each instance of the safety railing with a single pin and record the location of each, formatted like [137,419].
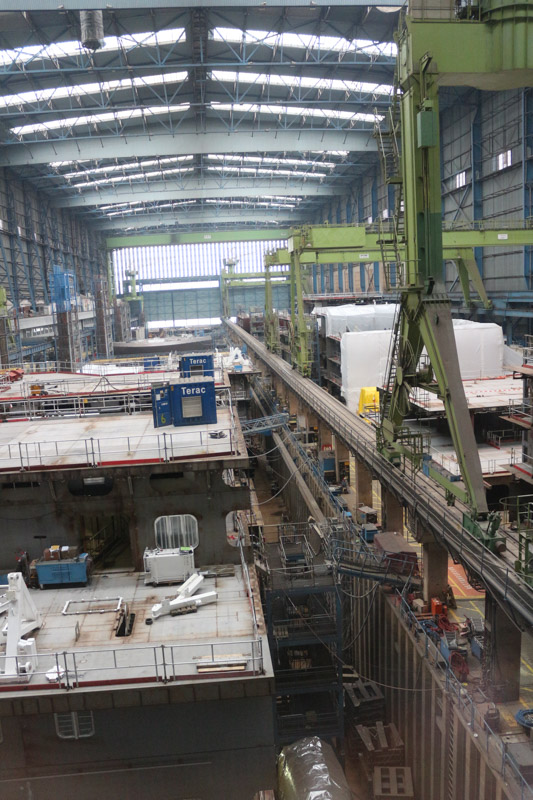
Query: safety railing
[521,412]
[248,587]
[71,669]
[417,490]
[489,466]
[528,350]
[491,742]
[502,437]
[92,452]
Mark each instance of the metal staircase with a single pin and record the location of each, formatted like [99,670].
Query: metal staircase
[391,231]
[358,560]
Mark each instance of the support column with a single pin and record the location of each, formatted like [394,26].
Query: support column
[434,569]
[502,654]
[391,512]
[324,436]
[363,484]
[341,454]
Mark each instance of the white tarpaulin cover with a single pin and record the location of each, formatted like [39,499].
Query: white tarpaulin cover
[309,770]
[364,356]
[351,317]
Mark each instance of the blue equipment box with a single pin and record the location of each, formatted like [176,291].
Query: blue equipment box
[69,570]
[196,365]
[193,402]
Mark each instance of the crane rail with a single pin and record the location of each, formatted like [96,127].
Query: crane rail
[422,495]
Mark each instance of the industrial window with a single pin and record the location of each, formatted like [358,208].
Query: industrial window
[191,407]
[74,725]
[460,180]
[177,530]
[197,369]
[504,159]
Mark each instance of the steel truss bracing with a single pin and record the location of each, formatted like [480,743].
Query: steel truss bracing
[304,85]
[22,281]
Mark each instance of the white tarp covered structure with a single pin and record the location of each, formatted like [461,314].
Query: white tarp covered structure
[351,317]
[364,356]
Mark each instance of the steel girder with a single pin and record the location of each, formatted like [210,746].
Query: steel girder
[215,140]
[82,5]
[208,215]
[188,189]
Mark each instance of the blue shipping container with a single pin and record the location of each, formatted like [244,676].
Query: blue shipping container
[58,572]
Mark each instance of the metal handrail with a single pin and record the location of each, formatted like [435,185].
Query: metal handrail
[68,668]
[459,693]
[418,491]
[163,447]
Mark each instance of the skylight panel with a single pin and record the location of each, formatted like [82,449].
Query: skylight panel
[340,153]
[292,162]
[272,173]
[87,89]
[119,205]
[294,111]
[153,162]
[139,176]
[303,41]
[293,81]
[251,203]
[95,119]
[58,50]
[130,212]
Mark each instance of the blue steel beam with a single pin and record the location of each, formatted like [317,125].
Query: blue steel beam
[195,188]
[215,140]
[82,5]
[101,98]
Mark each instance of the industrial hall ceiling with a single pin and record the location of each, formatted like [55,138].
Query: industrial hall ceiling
[180,119]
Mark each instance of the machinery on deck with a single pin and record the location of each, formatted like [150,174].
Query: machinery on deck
[20,658]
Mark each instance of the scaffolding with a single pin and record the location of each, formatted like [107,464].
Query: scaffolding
[66,321]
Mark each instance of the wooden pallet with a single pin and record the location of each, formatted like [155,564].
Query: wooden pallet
[381,745]
[392,783]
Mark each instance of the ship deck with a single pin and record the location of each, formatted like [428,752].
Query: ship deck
[77,645]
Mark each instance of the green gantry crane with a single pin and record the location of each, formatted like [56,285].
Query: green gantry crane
[488,50]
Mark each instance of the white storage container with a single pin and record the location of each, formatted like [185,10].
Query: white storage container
[168,566]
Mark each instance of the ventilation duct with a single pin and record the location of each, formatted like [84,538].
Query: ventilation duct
[92,29]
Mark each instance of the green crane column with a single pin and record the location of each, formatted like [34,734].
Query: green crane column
[425,308]
[271,339]
[299,326]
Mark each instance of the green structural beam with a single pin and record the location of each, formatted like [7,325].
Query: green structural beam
[153,239]
[493,53]
[334,239]
[345,244]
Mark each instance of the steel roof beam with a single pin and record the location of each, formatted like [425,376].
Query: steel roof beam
[83,5]
[98,148]
[192,189]
[207,216]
